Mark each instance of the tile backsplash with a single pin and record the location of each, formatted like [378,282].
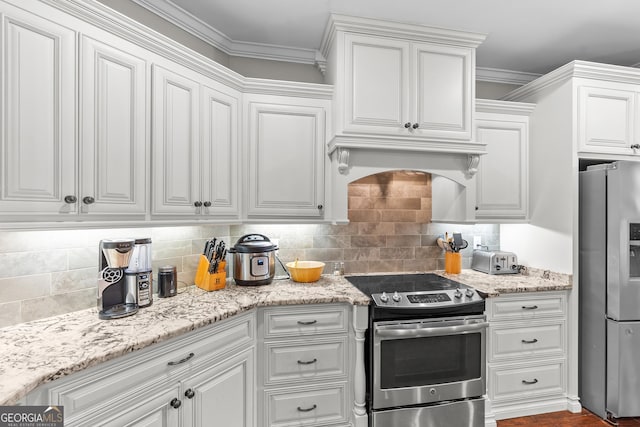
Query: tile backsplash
[45,273]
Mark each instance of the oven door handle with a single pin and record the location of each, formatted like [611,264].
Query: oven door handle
[397,331]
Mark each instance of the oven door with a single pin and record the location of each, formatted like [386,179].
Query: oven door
[431,360]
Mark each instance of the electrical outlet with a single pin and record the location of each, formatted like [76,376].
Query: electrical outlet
[477,242]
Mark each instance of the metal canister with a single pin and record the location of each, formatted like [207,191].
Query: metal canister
[167,281]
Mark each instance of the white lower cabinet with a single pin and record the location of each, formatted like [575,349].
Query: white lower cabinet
[527,353]
[204,378]
[304,377]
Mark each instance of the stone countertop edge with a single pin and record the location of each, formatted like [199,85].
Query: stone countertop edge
[36,352]
[40,351]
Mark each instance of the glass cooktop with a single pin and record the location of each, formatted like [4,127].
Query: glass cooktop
[390,283]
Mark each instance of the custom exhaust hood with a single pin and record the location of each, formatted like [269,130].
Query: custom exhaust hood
[453,178]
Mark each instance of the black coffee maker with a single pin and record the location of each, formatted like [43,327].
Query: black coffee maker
[117,296]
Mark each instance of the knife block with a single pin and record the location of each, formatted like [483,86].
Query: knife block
[212,281]
[452,262]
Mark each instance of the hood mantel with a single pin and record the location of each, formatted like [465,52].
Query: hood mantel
[373,142]
[453,177]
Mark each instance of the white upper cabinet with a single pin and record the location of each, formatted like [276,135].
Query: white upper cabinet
[49,173]
[195,140]
[607,119]
[113,128]
[285,139]
[400,86]
[503,173]
[38,138]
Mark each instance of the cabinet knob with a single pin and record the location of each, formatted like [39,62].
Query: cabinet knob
[175,403]
[407,125]
[416,125]
[207,204]
[88,200]
[477,208]
[197,203]
[310,408]
[320,207]
[635,146]
[70,199]
[189,393]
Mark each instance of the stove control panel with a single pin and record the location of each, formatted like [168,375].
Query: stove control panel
[426,298]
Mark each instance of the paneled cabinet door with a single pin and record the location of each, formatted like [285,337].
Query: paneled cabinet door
[38,143]
[606,120]
[158,410]
[286,145]
[222,395]
[113,128]
[176,172]
[502,174]
[220,130]
[376,85]
[442,91]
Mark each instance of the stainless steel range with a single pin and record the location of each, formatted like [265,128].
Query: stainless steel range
[426,345]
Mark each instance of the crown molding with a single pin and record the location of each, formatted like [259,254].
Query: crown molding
[184,20]
[495,75]
[576,69]
[504,107]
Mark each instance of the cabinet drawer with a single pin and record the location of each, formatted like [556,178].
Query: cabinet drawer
[310,406]
[517,340]
[512,382]
[528,307]
[302,361]
[304,320]
[111,382]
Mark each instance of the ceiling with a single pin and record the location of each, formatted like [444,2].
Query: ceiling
[523,36]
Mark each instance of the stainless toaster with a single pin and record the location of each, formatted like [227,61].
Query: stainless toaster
[495,262]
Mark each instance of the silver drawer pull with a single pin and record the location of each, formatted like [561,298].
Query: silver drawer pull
[307,409]
[529,307]
[309,362]
[312,322]
[533,341]
[181,360]
[535,381]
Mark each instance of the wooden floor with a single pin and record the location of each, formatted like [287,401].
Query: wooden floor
[565,419]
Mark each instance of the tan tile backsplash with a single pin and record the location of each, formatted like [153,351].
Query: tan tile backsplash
[45,273]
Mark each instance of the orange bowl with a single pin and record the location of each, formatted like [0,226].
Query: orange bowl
[305,271]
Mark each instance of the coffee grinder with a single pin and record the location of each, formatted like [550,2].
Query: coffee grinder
[117,297]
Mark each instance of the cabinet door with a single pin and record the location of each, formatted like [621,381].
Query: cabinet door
[286,157]
[376,85]
[222,395]
[38,143]
[176,171]
[442,91]
[502,173]
[220,171]
[113,128]
[606,120]
[154,411]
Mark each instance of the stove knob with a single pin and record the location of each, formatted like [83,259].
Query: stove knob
[469,293]
[458,294]
[384,297]
[396,297]
[498,267]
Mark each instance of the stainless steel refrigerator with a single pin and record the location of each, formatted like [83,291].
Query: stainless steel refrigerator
[609,289]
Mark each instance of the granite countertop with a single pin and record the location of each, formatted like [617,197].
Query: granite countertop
[40,351]
[531,280]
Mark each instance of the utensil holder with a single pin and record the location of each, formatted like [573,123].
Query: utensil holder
[452,262]
[213,281]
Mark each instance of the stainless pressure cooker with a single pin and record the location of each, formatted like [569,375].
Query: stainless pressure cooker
[254,260]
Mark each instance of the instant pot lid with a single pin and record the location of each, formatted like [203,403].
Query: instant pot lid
[251,243]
